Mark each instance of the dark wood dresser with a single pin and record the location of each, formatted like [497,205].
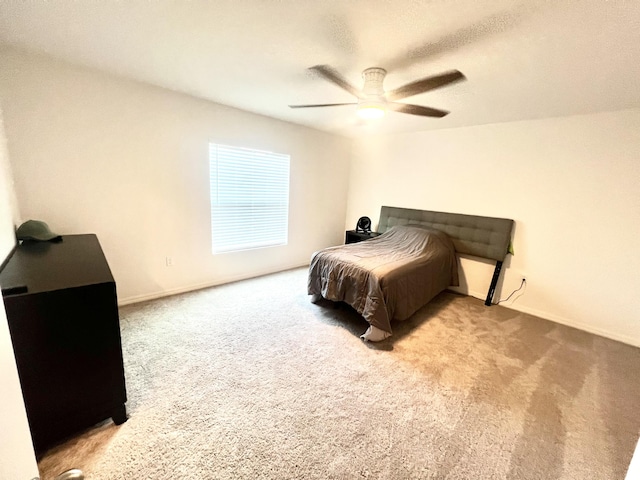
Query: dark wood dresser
[62,311]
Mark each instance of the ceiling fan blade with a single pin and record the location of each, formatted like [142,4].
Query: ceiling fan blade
[425,84]
[333,76]
[416,110]
[322,105]
[494,24]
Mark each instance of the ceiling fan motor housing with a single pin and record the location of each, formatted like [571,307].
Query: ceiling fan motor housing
[373,103]
[373,78]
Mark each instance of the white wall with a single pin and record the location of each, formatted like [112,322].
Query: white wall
[9,212]
[17,459]
[633,473]
[129,162]
[571,184]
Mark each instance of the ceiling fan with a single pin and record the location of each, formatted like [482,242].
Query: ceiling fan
[373,101]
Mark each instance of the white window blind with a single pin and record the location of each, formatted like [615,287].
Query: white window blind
[249,198]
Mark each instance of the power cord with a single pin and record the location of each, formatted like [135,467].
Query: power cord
[522,284]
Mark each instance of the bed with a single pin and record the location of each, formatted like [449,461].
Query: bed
[393,275]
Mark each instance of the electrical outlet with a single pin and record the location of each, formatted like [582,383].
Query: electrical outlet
[169,261]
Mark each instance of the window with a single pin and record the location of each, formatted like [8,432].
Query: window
[249,198]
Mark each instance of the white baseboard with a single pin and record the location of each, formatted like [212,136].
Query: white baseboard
[564,321]
[482,296]
[200,286]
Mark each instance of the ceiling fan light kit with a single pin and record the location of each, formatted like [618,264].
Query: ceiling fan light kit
[371,110]
[373,101]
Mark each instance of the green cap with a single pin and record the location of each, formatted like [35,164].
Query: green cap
[36,230]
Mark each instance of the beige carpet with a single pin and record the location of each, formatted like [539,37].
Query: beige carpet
[252,381]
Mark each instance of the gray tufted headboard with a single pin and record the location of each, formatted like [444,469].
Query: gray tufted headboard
[485,237]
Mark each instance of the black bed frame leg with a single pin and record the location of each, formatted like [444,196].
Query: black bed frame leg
[494,282]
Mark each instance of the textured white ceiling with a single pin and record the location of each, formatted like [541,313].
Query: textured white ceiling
[524,59]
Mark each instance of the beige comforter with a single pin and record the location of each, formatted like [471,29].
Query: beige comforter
[388,277]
